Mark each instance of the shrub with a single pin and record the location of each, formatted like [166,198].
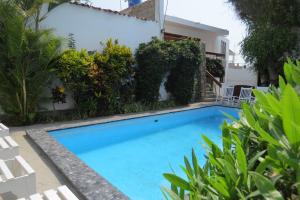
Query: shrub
[58,95]
[141,107]
[73,68]
[157,58]
[180,82]
[101,82]
[153,62]
[215,67]
[24,68]
[116,66]
[260,156]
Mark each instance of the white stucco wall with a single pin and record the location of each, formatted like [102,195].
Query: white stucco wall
[210,39]
[240,76]
[91,26]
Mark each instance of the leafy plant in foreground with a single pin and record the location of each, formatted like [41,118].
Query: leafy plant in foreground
[261,151]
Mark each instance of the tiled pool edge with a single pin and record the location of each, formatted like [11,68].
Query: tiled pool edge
[85,180]
[89,184]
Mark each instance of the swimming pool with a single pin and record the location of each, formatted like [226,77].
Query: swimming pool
[133,154]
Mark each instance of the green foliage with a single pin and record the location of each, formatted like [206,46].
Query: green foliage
[180,59]
[180,82]
[267,46]
[32,10]
[272,34]
[281,12]
[215,67]
[142,107]
[116,63]
[101,82]
[153,60]
[58,95]
[24,69]
[260,156]
[292,75]
[71,41]
[73,67]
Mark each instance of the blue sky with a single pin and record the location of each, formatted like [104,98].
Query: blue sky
[212,12]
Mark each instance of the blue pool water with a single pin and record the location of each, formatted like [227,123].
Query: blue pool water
[133,154]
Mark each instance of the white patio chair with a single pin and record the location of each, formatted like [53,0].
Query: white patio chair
[227,95]
[4,131]
[62,193]
[17,177]
[263,89]
[245,96]
[8,148]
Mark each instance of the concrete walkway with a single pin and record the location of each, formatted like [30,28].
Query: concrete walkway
[47,177]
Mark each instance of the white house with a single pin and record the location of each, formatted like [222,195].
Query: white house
[239,73]
[91,25]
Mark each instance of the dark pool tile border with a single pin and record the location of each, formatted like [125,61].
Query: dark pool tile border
[85,180]
[109,119]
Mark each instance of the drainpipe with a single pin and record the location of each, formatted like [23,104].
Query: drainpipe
[160,15]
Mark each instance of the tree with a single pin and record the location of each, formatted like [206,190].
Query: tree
[25,64]
[32,10]
[273,28]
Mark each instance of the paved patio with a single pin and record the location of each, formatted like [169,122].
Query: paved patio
[47,177]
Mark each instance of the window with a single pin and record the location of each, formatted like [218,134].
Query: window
[223,47]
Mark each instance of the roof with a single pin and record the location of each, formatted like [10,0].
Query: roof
[196,25]
[107,10]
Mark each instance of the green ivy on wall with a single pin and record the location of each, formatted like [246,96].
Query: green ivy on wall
[215,67]
[181,59]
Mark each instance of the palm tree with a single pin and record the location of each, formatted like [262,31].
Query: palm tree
[32,10]
[25,59]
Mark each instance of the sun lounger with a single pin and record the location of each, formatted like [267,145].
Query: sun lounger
[62,193]
[8,148]
[227,96]
[263,89]
[245,96]
[4,131]
[17,177]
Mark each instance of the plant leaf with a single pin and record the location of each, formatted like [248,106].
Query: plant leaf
[170,193]
[221,188]
[242,161]
[266,136]
[266,187]
[253,160]
[177,181]
[290,106]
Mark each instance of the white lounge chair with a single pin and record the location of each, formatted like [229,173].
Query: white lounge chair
[263,89]
[8,148]
[245,96]
[17,177]
[62,193]
[227,95]
[4,131]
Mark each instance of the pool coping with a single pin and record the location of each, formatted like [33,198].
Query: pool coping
[85,180]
